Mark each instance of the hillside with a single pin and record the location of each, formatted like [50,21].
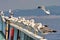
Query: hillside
[54,10]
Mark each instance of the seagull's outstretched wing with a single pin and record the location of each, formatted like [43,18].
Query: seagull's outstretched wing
[44,9]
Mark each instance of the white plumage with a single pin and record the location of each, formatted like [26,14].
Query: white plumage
[10,11]
[46,11]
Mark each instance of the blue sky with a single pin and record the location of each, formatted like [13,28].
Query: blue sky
[26,4]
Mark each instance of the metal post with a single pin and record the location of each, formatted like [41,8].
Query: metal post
[2,23]
[7,30]
[18,37]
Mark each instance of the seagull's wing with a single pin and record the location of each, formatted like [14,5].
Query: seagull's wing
[43,8]
[46,30]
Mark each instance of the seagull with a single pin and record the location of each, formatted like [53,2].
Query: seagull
[43,8]
[46,30]
[11,13]
[2,13]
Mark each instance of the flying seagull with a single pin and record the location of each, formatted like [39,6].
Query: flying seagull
[44,9]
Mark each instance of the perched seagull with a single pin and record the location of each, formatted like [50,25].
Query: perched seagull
[47,30]
[11,13]
[2,13]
